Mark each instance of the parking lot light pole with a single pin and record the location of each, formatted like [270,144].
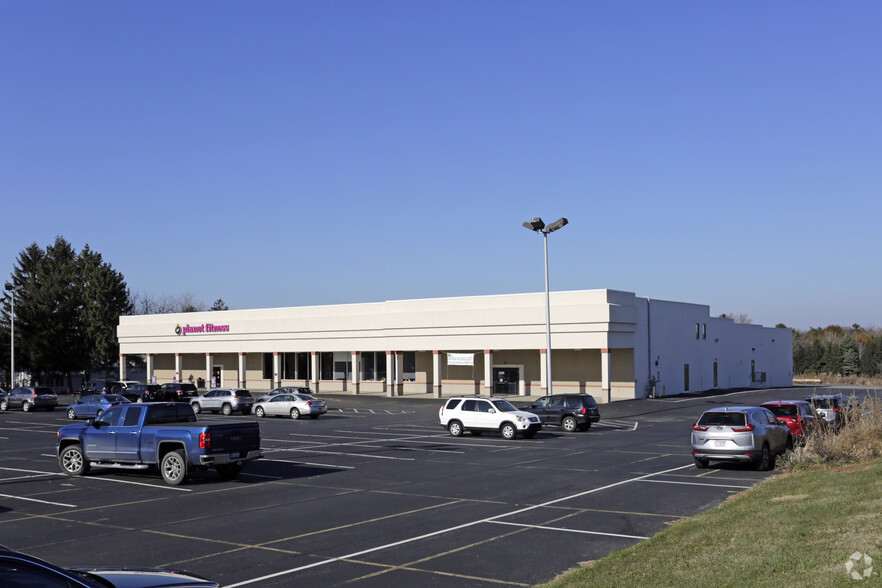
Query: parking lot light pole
[536,225]
[12,290]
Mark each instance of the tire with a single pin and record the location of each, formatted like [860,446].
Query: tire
[259,412]
[227,409]
[701,463]
[196,408]
[4,405]
[765,462]
[76,396]
[174,468]
[73,461]
[508,431]
[789,445]
[26,406]
[228,471]
[569,424]
[295,413]
[454,428]
[71,414]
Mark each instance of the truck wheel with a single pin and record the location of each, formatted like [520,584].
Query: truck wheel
[259,412]
[174,468]
[228,471]
[72,461]
[227,409]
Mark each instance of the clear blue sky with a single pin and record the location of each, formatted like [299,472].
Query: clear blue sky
[301,153]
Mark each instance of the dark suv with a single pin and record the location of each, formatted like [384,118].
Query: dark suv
[30,397]
[570,411]
[181,392]
[143,392]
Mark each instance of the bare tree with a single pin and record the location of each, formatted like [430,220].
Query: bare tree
[166,304]
[741,319]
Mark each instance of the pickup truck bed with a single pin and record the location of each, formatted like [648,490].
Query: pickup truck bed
[165,435]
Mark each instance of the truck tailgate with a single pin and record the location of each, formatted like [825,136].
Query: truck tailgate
[234,437]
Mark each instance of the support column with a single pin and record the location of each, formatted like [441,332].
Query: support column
[390,373]
[399,373]
[488,372]
[208,360]
[122,366]
[150,375]
[355,380]
[242,378]
[543,371]
[277,381]
[436,373]
[178,367]
[605,388]
[314,368]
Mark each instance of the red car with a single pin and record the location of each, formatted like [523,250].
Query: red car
[799,416]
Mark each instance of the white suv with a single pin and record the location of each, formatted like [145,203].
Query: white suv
[477,415]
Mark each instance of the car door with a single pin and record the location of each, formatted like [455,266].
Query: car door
[776,431]
[485,415]
[279,405]
[100,436]
[210,400]
[128,438]
[540,408]
[554,413]
[468,413]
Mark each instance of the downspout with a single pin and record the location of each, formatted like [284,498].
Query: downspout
[648,342]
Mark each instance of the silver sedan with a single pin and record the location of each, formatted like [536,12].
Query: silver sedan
[293,405]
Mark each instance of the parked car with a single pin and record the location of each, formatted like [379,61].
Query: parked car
[121,386]
[743,434]
[225,400]
[833,407]
[293,405]
[799,416]
[20,569]
[569,411]
[478,415]
[143,392]
[162,434]
[177,392]
[91,406]
[286,390]
[30,397]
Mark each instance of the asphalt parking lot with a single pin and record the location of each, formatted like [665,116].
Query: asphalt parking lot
[376,493]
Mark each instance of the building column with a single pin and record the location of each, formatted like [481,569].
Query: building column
[355,378]
[208,360]
[436,373]
[314,367]
[543,371]
[150,375]
[242,378]
[277,381]
[390,373]
[605,387]
[488,372]
[122,366]
[399,373]
[178,367]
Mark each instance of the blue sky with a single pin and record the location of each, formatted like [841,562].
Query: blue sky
[301,153]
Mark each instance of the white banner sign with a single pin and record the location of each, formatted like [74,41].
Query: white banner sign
[461,359]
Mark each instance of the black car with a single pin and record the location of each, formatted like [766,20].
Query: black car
[19,569]
[143,392]
[181,392]
[570,411]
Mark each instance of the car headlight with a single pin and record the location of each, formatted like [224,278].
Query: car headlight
[521,419]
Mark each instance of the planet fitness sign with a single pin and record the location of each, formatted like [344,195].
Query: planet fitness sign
[204,328]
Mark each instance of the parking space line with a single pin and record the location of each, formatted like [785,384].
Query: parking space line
[36,500]
[568,530]
[320,465]
[696,484]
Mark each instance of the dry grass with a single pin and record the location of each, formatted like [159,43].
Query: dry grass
[859,440]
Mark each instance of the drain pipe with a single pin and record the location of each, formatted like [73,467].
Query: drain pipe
[648,342]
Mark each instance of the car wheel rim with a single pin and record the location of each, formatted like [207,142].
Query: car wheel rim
[71,414]
[569,425]
[173,468]
[73,461]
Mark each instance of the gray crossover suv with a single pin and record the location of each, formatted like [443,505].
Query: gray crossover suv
[745,434]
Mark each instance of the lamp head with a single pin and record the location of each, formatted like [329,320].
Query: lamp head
[535,224]
[558,224]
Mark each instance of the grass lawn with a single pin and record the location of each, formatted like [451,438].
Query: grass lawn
[796,529]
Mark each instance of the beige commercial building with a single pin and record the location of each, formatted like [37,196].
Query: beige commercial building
[608,343]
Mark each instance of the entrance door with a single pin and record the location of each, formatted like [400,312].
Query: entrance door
[217,376]
[505,381]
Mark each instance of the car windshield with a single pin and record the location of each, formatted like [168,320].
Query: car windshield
[722,419]
[503,405]
[825,402]
[783,410]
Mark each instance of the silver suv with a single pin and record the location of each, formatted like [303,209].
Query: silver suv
[30,397]
[744,434]
[225,400]
[477,415]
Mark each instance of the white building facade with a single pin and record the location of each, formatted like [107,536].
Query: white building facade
[607,343]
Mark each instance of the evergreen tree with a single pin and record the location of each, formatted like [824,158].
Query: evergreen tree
[849,360]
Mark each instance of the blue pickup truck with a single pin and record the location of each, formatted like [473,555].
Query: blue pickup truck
[161,434]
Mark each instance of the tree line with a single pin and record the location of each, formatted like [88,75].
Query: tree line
[836,350]
[67,308]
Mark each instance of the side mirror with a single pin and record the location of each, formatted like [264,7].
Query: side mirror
[492,411]
[94,423]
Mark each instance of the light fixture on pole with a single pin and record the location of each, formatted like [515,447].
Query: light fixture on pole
[536,225]
[12,290]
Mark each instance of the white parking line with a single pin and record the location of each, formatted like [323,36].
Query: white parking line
[451,529]
[40,501]
[568,530]
[696,484]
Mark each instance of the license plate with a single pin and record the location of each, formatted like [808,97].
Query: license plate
[719,443]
